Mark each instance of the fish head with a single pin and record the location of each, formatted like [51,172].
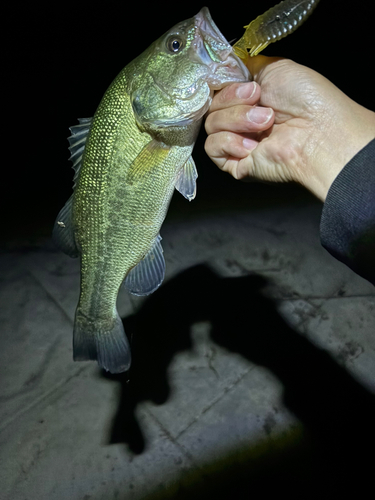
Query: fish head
[175,78]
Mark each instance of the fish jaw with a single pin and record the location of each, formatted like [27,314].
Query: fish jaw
[211,48]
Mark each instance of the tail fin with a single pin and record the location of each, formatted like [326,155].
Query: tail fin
[110,348]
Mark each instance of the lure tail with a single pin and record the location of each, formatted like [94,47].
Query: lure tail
[104,341]
[276,23]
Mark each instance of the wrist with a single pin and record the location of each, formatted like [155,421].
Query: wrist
[342,137]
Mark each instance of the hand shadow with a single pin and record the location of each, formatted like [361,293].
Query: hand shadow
[336,411]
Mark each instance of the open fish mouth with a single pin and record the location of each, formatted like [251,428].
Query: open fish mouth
[213,50]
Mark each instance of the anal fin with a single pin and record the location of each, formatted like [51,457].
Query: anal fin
[148,274]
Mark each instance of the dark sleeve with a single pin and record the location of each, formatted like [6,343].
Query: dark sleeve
[347,226]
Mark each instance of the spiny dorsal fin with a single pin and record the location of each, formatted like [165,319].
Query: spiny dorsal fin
[77,142]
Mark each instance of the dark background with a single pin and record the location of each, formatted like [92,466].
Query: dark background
[61,56]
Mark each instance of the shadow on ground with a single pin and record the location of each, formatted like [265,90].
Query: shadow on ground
[336,412]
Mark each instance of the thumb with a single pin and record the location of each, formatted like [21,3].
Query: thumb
[257,64]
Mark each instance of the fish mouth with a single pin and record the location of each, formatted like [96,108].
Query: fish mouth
[211,48]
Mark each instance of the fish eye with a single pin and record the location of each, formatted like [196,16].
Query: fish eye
[174,44]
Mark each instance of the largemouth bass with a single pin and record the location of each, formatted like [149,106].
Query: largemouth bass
[133,153]
[128,159]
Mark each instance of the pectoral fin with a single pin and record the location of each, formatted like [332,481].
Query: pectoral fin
[186,181]
[148,274]
[154,153]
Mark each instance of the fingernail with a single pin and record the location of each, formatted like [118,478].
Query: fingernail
[246,90]
[259,115]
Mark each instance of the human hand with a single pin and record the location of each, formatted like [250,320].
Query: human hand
[310,131]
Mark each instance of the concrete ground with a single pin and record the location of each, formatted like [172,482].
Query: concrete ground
[253,366]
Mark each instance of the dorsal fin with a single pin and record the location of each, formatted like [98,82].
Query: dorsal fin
[63,231]
[77,142]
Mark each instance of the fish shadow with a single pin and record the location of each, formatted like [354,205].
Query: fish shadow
[337,413]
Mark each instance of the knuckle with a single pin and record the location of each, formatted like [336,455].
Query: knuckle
[208,123]
[208,145]
[240,116]
[225,93]
[227,139]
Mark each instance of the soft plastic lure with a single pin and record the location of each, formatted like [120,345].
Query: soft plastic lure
[276,23]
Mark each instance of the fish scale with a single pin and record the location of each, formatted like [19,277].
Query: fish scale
[112,241]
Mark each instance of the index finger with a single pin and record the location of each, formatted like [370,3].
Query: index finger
[237,93]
